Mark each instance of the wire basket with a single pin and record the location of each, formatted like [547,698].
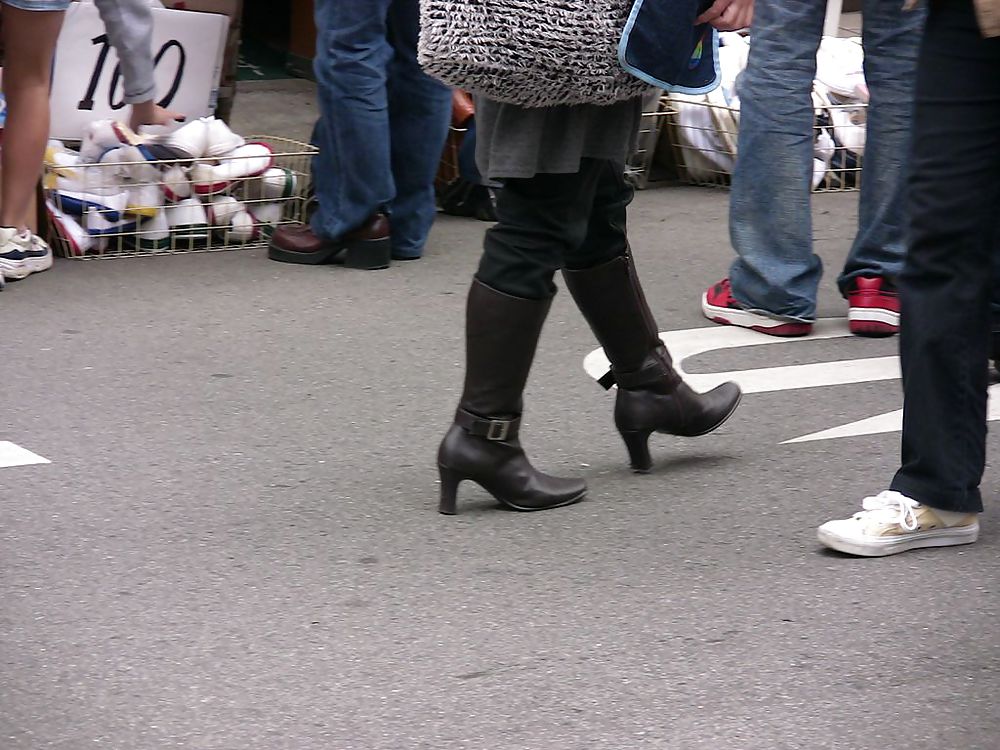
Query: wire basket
[135,208]
[703,138]
[655,115]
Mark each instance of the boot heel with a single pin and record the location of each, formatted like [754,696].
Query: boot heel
[368,255]
[637,444]
[449,490]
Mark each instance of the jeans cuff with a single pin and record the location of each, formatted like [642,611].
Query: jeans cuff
[956,502]
[775,316]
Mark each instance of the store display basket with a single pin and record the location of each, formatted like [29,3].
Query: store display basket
[703,138]
[161,206]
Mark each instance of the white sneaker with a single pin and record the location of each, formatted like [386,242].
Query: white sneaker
[191,138]
[22,253]
[187,220]
[176,184]
[891,522]
[103,135]
[276,183]
[75,239]
[219,139]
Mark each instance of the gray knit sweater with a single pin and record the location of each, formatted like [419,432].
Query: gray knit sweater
[534,53]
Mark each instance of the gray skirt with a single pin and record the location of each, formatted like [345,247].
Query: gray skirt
[513,141]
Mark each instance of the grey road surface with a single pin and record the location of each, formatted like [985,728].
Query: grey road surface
[235,545]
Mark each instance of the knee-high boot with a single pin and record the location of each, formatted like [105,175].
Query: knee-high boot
[651,397]
[482,445]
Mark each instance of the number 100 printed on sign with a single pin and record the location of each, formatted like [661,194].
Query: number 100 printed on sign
[116,89]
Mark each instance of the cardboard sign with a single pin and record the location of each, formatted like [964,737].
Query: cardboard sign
[87,83]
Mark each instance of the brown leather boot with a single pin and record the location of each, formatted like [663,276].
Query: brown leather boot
[651,397]
[482,445]
[368,247]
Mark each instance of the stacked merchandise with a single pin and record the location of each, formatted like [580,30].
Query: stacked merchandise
[200,187]
[705,127]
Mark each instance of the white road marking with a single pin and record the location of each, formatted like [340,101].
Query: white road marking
[693,341]
[889,422]
[14,455]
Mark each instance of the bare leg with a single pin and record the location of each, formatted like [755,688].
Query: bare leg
[29,39]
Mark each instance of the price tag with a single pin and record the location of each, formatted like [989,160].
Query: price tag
[87,81]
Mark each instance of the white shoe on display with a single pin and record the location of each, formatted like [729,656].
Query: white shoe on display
[267,216]
[220,140]
[176,183]
[274,184]
[221,209]
[152,235]
[104,135]
[206,181]
[241,229]
[187,220]
[191,139]
[144,200]
[249,160]
[77,240]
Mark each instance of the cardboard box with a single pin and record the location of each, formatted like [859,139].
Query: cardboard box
[87,86]
[233,10]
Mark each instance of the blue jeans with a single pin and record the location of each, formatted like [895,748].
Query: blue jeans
[770,220]
[382,123]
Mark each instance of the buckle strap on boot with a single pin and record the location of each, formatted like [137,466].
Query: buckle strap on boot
[655,368]
[607,380]
[490,429]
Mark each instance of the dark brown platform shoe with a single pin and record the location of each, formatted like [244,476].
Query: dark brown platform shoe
[368,247]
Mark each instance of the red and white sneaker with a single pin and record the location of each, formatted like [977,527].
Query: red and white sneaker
[873,307]
[719,305]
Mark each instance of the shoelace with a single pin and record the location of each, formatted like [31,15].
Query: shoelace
[890,506]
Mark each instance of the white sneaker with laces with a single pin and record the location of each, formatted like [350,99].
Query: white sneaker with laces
[891,522]
[22,253]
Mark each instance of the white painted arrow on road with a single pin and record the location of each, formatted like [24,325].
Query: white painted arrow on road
[12,454]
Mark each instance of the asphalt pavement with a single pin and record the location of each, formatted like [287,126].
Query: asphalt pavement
[235,545]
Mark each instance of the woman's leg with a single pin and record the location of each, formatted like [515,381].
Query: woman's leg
[29,39]
[600,274]
[540,220]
